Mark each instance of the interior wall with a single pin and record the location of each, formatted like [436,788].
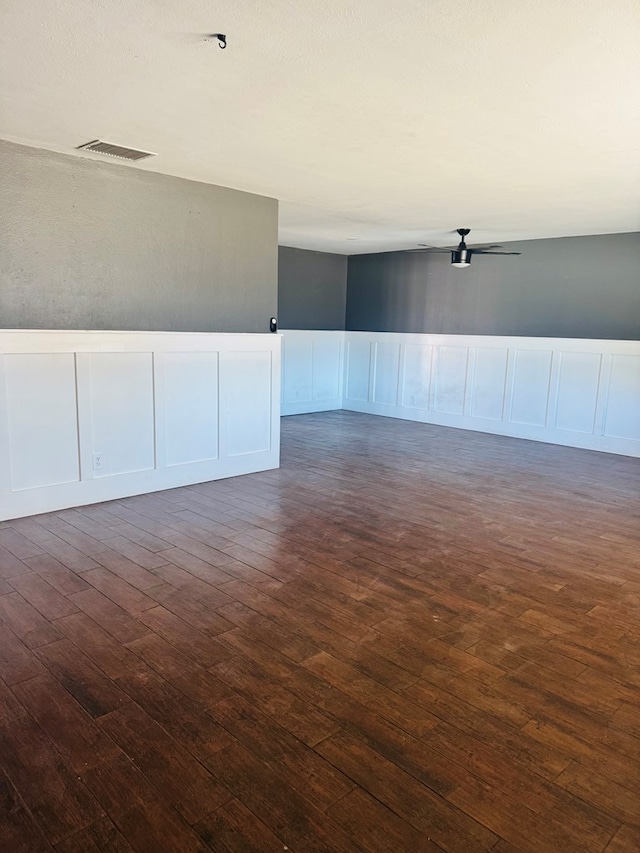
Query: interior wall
[572,287]
[92,245]
[312,289]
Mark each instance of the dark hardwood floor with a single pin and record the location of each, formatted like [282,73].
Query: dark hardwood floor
[408,638]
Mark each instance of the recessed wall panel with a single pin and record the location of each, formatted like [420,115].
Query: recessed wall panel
[42,419]
[122,416]
[530,394]
[385,387]
[489,383]
[190,407]
[247,382]
[451,380]
[416,376]
[358,366]
[623,407]
[578,391]
[326,368]
[298,371]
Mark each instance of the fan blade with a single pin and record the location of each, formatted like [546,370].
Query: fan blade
[481,247]
[437,248]
[484,252]
[429,251]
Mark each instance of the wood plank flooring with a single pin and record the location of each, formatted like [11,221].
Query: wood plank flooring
[408,638]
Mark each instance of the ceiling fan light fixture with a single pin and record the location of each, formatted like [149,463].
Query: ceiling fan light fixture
[460,258]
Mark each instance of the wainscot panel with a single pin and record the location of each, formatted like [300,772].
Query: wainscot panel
[570,391]
[93,416]
[312,371]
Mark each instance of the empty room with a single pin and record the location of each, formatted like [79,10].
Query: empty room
[320,427]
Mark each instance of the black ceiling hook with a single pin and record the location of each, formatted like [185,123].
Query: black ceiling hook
[222,39]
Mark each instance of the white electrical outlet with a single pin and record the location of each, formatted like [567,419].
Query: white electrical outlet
[98,461]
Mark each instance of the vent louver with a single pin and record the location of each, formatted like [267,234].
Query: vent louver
[100,147]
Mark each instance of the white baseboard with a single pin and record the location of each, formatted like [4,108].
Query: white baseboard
[306,407]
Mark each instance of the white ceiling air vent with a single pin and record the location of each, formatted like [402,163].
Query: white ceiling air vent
[100,147]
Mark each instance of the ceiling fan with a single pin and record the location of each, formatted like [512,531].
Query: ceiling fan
[461,254]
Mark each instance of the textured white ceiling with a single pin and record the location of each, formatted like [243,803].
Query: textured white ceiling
[389,121]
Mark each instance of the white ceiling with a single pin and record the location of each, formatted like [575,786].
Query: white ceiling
[377,123]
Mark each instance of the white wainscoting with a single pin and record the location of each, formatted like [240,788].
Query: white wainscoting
[312,371]
[580,393]
[93,416]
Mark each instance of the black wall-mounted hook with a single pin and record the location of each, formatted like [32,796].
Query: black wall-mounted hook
[221,37]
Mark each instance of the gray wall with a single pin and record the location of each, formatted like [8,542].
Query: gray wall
[312,289]
[91,245]
[576,287]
